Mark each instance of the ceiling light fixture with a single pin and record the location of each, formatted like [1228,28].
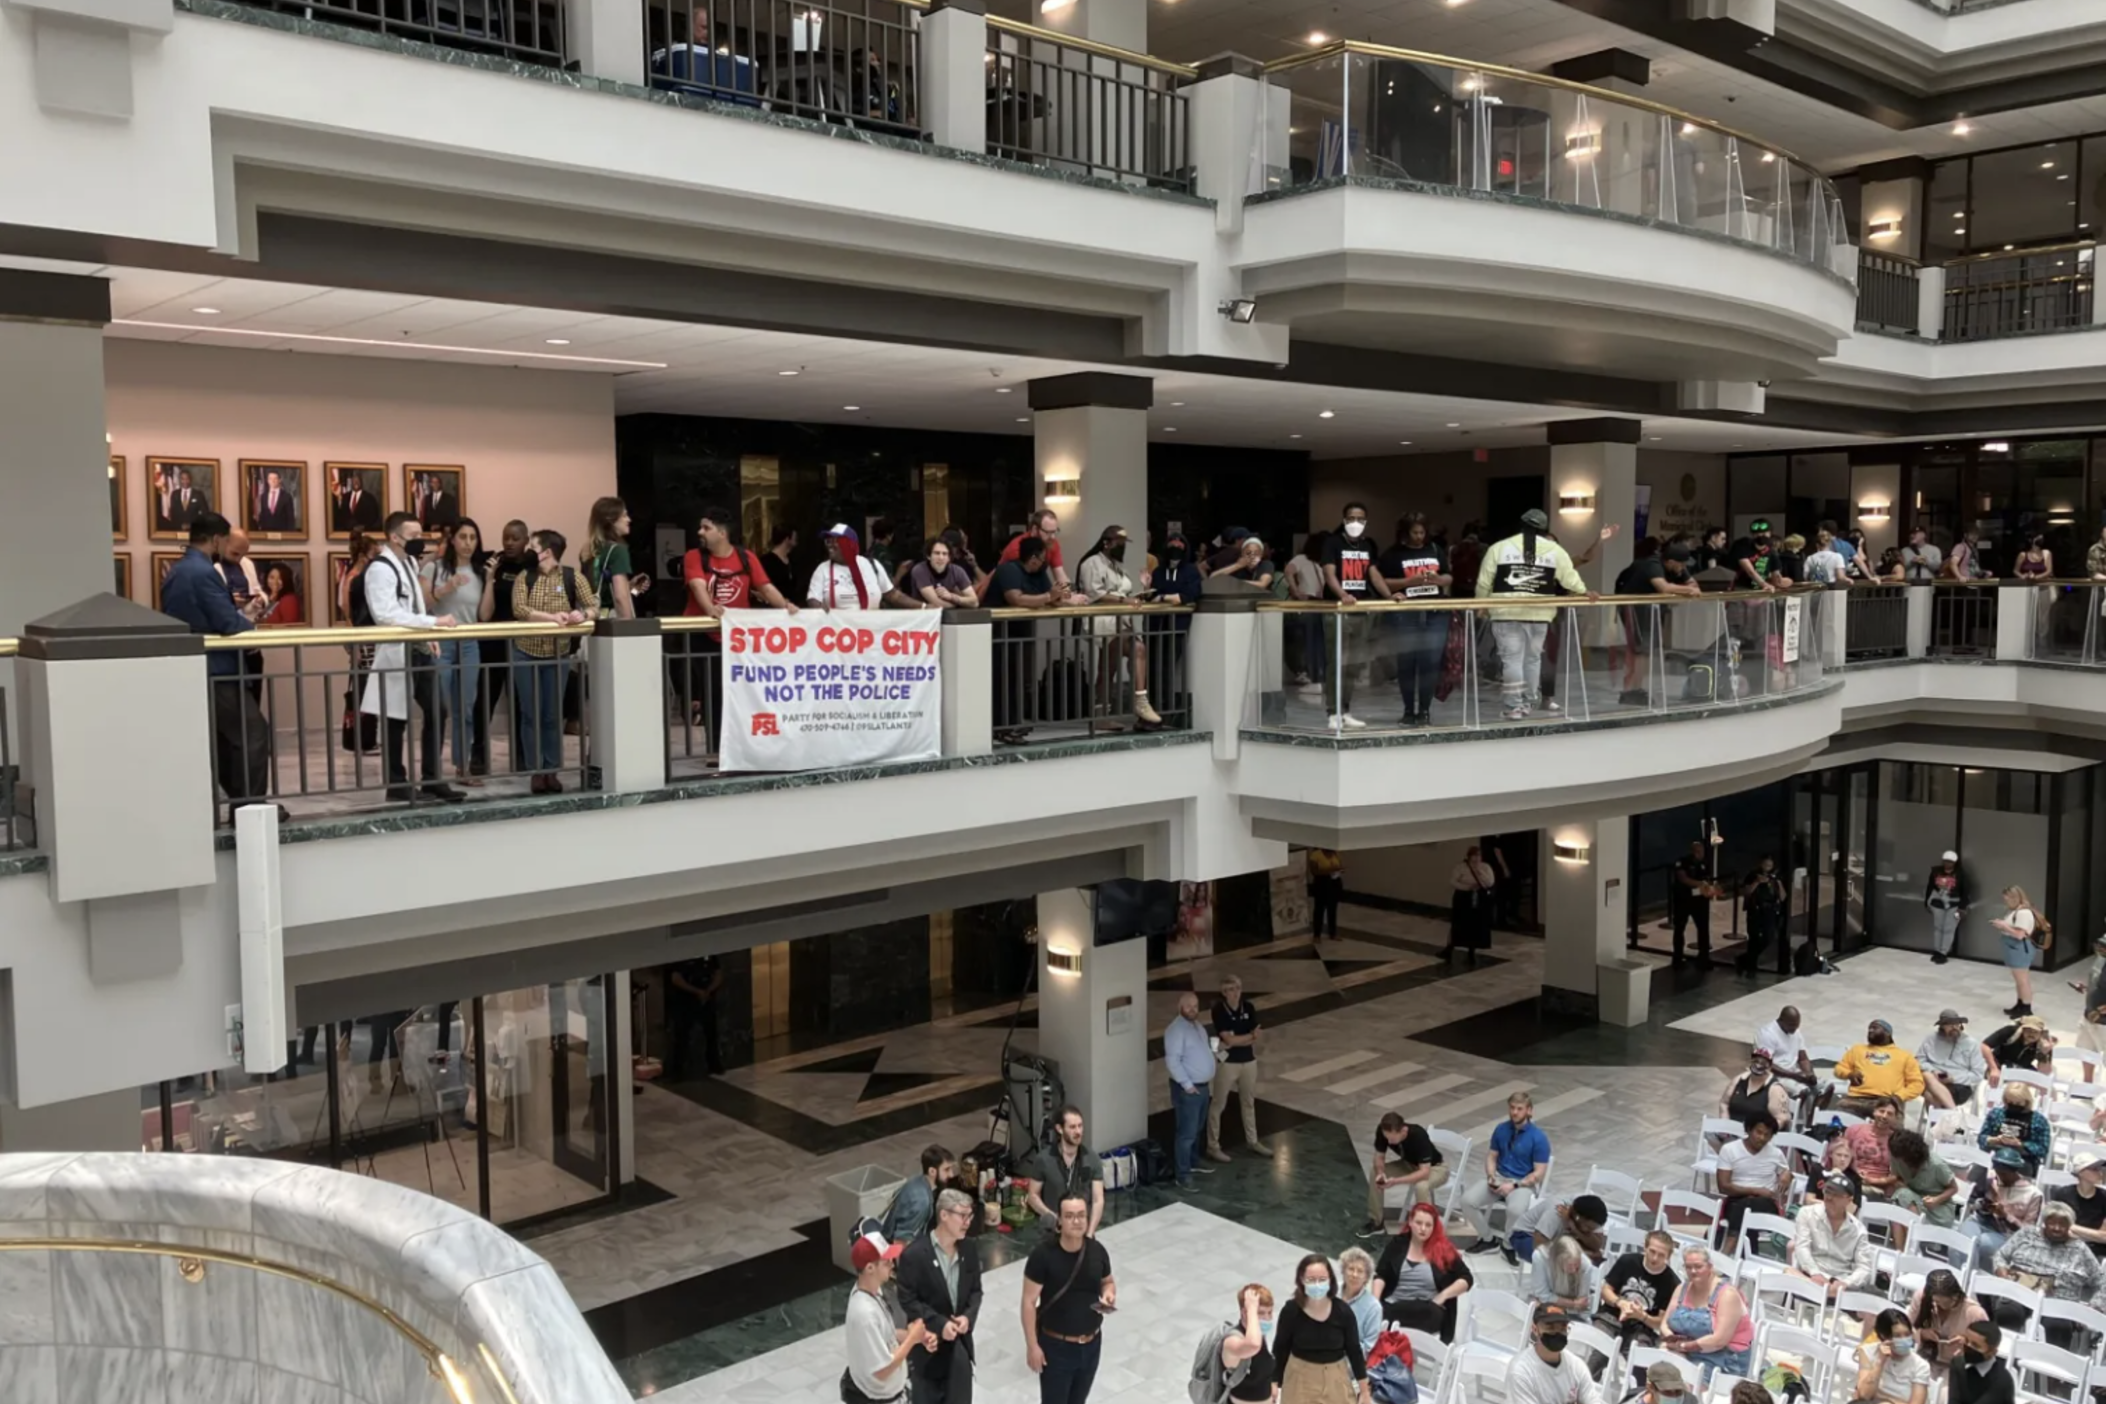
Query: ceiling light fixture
[394,345]
[1689,129]
[790,372]
[1177,404]
[1404,443]
[1317,36]
[1768,156]
[1169,429]
[1005,389]
[851,408]
[557,341]
[1453,425]
[1023,419]
[1047,7]
[206,311]
[2047,165]
[1240,310]
[1327,414]
[1294,436]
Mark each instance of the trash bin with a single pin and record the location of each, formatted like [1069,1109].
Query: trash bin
[855,1195]
[1624,990]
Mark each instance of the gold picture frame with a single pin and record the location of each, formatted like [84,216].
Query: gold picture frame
[260,518]
[339,564]
[120,511]
[162,562]
[178,491]
[345,515]
[123,589]
[435,493]
[282,614]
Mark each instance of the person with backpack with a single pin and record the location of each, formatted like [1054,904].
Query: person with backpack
[720,574]
[2024,929]
[1234,1361]
[552,593]
[394,598]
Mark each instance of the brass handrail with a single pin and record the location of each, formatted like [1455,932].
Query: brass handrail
[190,1261]
[308,635]
[10,647]
[1445,603]
[690,624]
[1994,254]
[1087,611]
[1499,70]
[1091,46]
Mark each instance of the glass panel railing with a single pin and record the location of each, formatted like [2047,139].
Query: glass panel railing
[1485,664]
[2067,623]
[1361,111]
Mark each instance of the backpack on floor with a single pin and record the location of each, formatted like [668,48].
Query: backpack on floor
[1807,959]
[1700,684]
[1150,1165]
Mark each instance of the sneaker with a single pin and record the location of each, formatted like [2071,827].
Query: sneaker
[1373,1228]
[1261,1148]
[1506,1251]
[1351,722]
[1217,1153]
[1205,1169]
[1515,714]
[1939,958]
[1550,704]
[1147,714]
[1483,1245]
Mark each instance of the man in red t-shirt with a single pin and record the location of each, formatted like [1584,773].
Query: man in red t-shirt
[1046,527]
[719,576]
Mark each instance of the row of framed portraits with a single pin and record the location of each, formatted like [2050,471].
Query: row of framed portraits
[287,582]
[268,497]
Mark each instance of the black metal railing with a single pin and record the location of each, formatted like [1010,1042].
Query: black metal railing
[1963,620]
[17,829]
[855,62]
[1877,622]
[1886,292]
[1086,107]
[529,30]
[694,693]
[2014,294]
[1079,672]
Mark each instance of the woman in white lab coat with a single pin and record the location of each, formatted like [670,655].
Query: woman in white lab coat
[395,599]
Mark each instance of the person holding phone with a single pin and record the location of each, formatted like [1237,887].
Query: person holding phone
[1068,1291]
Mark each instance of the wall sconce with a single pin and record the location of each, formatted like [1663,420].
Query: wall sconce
[1581,145]
[1063,489]
[1883,228]
[1569,502]
[1872,511]
[1569,851]
[1063,962]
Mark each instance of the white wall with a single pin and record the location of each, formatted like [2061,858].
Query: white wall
[1450,488]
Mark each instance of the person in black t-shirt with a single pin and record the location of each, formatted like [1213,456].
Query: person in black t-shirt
[1652,572]
[1763,900]
[1068,1289]
[1418,570]
[1690,892]
[1237,1025]
[1636,1290]
[1349,575]
[1749,560]
[500,571]
[1404,1155]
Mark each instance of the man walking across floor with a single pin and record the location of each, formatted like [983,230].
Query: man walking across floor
[1069,1170]
[1068,1291]
[877,1350]
[1189,1060]
[1236,1026]
[939,1285]
[1513,1167]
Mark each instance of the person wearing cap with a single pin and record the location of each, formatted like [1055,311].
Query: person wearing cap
[1664,1384]
[850,579]
[2023,1043]
[1529,569]
[2086,1200]
[2005,1201]
[1543,1371]
[1945,898]
[1749,559]
[877,1351]
[1981,1377]
[1104,581]
[1878,1068]
[1829,1244]
[2046,1256]
[1953,1064]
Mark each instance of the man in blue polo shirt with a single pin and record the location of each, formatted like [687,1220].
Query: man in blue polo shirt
[1513,1168]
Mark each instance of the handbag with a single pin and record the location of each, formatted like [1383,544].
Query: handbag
[361,730]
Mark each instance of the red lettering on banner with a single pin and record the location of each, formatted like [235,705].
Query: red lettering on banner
[757,639]
[764,724]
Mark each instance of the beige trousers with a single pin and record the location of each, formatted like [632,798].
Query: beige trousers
[1421,1193]
[1241,1079]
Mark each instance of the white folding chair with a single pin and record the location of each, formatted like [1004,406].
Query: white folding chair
[1809,1151]
[1429,1359]
[1472,1362]
[1989,1290]
[2087,1321]
[1884,1221]
[2086,1061]
[1455,1154]
[1814,1356]
[2038,1367]
[1853,1314]
[1679,1207]
[1753,1224]
[1930,1241]
[1846,1120]
[1720,1387]
[1704,1161]
[1643,1358]
[1622,1193]
[1905,1278]
[1482,1311]
[1787,1298]
[2051,1180]
[1621,1238]
[1963,1157]
[1595,1341]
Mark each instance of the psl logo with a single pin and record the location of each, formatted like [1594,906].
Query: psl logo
[764,724]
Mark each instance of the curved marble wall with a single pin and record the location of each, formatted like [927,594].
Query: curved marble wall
[92,1325]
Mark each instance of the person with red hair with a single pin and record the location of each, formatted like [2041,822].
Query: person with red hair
[1421,1275]
[851,580]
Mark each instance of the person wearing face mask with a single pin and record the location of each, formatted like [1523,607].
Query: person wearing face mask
[1762,898]
[395,599]
[1543,1372]
[1981,1377]
[1889,1370]
[1349,575]
[1878,1069]
[1757,1090]
[2016,1127]
[1316,1342]
[1241,1350]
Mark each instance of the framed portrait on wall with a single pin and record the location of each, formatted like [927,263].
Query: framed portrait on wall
[178,492]
[162,562]
[284,581]
[123,587]
[120,520]
[436,494]
[274,499]
[358,497]
[339,567]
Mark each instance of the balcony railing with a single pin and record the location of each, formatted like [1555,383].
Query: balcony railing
[1361,110]
[1067,102]
[2066,623]
[1471,664]
[1963,620]
[2015,294]
[1887,292]
[1877,625]
[531,31]
[855,62]
[1083,672]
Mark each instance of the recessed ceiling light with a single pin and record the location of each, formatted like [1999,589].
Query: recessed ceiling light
[788,372]
[1004,389]
[397,345]
[1453,425]
[1689,129]
[1959,214]
[1169,429]
[2063,176]
[1177,404]
[1653,437]
[557,341]
[1406,443]
[206,311]
[1023,419]
[1317,36]
[2047,165]
[1327,414]
[851,408]
[1294,436]
[2009,247]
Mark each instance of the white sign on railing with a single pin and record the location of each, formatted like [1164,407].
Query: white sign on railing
[824,689]
[1793,611]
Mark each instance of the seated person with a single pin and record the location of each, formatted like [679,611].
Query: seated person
[1877,1069]
[1752,1174]
[1927,1185]
[1405,1157]
[1636,1289]
[1942,1312]
[1889,1371]
[1953,1064]
[1584,1218]
[1830,1247]
[1421,1274]
[2005,1201]
[1869,1143]
[2024,1043]
[1707,1318]
[1356,1270]
[1758,1089]
[2087,1201]
[1561,1276]
[2046,1257]
[2015,1126]
[1982,1377]
[1841,1161]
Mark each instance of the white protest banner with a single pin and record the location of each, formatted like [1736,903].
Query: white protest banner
[821,689]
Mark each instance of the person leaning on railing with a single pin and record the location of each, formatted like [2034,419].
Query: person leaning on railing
[1023,582]
[1102,575]
[1349,573]
[551,593]
[196,593]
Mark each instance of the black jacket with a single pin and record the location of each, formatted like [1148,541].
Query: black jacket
[922,1291]
[1968,1387]
[1392,1267]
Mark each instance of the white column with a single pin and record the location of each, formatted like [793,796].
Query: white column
[1121,23]
[1930,305]
[1227,107]
[1919,619]
[1093,1019]
[625,659]
[966,724]
[1092,433]
[1220,654]
[1586,922]
[1606,476]
[607,38]
[954,73]
[2014,622]
[1833,621]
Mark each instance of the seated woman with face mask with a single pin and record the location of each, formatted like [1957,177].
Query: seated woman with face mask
[1889,1368]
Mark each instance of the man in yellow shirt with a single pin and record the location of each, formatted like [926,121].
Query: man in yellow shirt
[1877,1068]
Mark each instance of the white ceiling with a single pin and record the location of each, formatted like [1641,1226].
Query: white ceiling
[685,368]
[1534,34]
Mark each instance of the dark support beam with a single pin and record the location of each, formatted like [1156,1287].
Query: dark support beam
[1606,65]
[1592,431]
